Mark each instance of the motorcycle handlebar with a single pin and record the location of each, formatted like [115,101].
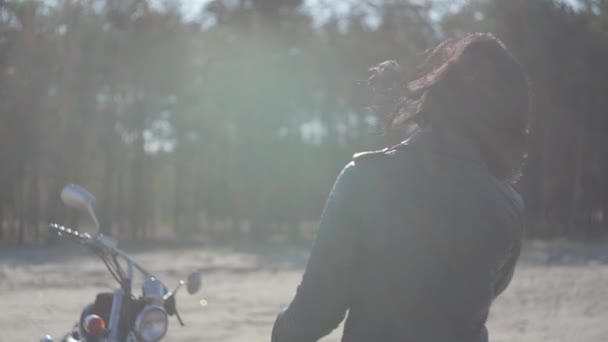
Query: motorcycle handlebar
[70,234]
[99,242]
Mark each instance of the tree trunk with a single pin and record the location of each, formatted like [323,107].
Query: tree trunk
[107,211]
[577,183]
[178,188]
[21,215]
[2,209]
[138,186]
[34,203]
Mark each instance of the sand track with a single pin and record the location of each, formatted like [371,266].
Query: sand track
[559,294]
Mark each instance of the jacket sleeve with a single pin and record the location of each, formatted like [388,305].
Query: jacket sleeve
[323,296]
[506,273]
[507,270]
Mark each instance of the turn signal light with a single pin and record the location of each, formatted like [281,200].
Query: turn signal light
[94,325]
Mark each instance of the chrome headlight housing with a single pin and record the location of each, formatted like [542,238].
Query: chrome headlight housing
[153,291]
[151,323]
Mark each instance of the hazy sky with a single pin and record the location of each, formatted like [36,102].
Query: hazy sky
[323,9]
[195,5]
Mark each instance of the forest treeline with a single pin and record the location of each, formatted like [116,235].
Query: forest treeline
[233,120]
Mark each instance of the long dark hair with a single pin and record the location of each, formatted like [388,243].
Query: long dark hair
[473,86]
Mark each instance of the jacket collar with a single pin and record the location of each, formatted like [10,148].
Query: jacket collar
[446,143]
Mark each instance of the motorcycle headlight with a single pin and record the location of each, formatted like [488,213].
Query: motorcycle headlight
[151,323]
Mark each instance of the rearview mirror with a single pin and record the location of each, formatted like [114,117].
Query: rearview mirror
[78,197]
[194,282]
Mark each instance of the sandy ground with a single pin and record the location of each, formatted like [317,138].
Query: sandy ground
[560,292]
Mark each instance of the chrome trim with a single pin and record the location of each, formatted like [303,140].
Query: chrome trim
[115,314]
[142,314]
[153,291]
[130,273]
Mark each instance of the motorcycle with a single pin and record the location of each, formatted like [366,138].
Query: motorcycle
[119,316]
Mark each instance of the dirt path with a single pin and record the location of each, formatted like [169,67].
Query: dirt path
[559,294]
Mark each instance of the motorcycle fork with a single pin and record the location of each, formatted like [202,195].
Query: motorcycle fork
[114,323]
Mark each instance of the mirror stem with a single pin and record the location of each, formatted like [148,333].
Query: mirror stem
[95,221]
[174,291]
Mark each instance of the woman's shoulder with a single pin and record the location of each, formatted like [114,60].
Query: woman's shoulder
[369,155]
[384,153]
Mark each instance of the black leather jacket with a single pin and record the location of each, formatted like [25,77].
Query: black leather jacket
[415,243]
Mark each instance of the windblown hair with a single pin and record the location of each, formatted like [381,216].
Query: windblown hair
[473,86]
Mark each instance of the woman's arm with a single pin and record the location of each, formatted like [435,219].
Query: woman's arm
[515,236]
[323,297]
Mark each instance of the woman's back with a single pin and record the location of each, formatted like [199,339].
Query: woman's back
[415,242]
[435,230]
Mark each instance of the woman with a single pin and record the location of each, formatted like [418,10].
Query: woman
[416,241]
